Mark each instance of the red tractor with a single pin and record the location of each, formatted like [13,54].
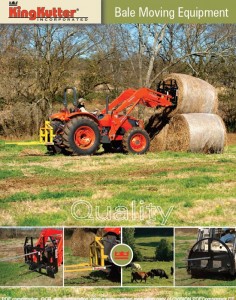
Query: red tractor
[82,133]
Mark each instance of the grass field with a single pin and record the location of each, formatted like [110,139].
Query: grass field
[184,240]
[17,273]
[140,293]
[147,246]
[40,190]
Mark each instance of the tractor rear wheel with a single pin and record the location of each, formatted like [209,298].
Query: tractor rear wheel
[81,136]
[136,141]
[55,149]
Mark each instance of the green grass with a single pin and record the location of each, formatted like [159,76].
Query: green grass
[146,267]
[71,259]
[147,246]
[183,244]
[7,269]
[117,292]
[10,173]
[40,190]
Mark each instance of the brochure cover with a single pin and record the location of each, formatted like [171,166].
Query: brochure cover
[118,149]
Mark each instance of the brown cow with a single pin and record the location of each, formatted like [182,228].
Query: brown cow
[139,276]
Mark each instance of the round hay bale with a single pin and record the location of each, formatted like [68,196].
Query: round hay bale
[82,238]
[158,143]
[80,241]
[194,95]
[200,132]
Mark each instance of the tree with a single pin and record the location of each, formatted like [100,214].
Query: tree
[164,251]
[36,63]
[129,239]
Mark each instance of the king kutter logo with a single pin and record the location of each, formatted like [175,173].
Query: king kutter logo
[121,255]
[54,13]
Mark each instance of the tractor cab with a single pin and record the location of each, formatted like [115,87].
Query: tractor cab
[214,252]
[65,111]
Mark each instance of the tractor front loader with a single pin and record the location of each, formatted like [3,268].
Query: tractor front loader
[82,133]
[46,253]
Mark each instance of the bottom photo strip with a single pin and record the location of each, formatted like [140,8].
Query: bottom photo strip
[117,257]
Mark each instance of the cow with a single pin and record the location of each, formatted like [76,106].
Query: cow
[134,266]
[171,270]
[139,276]
[150,274]
[159,272]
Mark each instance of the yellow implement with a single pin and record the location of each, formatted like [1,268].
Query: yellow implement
[46,134]
[32,143]
[83,267]
[96,258]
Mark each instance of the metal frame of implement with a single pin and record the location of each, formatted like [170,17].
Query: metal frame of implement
[97,259]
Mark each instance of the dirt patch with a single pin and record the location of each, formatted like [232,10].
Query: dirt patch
[32,185]
[186,231]
[31,152]
[9,250]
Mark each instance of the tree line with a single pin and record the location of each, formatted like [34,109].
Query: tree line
[163,250]
[38,61]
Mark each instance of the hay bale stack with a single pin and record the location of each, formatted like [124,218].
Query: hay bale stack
[193,124]
[194,95]
[196,132]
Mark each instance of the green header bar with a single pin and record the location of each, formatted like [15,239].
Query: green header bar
[168,11]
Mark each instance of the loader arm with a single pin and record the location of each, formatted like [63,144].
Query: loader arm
[143,96]
[120,99]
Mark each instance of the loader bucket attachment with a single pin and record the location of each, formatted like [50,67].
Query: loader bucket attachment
[210,255]
[46,134]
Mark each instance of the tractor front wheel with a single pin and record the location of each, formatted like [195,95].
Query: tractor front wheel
[136,141]
[82,136]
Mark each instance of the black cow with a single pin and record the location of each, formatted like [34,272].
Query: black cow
[171,270]
[159,272]
[150,274]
